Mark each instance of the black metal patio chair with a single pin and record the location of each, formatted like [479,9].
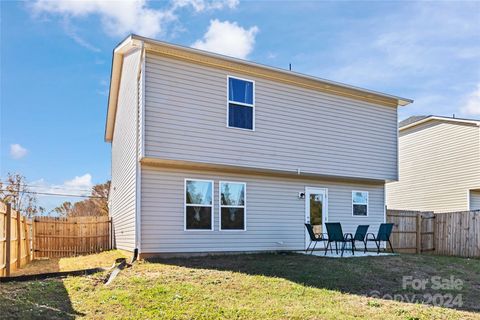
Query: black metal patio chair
[314,238]
[383,234]
[335,234]
[361,235]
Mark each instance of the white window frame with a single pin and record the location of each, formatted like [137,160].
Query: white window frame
[368,199]
[220,206]
[240,103]
[191,205]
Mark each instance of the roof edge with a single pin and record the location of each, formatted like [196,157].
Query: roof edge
[401,101]
[440,118]
[115,76]
[134,40]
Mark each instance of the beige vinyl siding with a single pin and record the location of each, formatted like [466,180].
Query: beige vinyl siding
[475,200]
[275,214]
[295,128]
[124,149]
[439,163]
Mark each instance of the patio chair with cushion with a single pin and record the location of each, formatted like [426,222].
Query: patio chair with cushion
[335,234]
[361,235]
[314,238]
[383,234]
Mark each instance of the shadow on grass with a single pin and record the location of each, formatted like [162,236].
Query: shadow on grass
[46,299]
[380,277]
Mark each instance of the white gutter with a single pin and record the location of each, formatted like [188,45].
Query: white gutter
[139,139]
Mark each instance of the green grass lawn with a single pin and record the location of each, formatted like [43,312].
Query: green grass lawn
[260,286]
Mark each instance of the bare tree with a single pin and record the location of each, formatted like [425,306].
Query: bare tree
[64,209]
[15,192]
[100,193]
[97,205]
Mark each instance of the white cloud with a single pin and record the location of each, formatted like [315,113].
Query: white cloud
[202,5]
[472,104]
[387,49]
[79,185]
[228,38]
[51,194]
[118,18]
[80,182]
[72,33]
[17,151]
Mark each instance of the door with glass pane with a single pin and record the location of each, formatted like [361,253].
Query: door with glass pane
[315,210]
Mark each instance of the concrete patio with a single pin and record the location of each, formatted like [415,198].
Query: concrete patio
[346,254]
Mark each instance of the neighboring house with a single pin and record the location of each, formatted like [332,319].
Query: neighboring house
[439,160]
[216,154]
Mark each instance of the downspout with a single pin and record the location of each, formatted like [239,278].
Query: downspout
[138,173]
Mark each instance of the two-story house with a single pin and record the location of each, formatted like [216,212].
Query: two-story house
[216,154]
[439,159]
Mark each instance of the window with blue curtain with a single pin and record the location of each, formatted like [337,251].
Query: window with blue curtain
[240,103]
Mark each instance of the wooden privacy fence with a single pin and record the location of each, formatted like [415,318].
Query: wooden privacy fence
[458,233]
[64,237]
[22,240]
[449,233]
[15,240]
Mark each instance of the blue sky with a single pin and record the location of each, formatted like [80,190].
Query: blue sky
[56,56]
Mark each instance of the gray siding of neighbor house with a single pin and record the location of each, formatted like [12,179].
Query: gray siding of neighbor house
[439,164]
[295,128]
[475,200]
[275,214]
[124,155]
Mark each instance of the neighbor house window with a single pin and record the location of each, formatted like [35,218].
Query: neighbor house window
[232,205]
[198,204]
[360,203]
[241,103]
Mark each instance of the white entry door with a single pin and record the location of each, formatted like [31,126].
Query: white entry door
[315,210]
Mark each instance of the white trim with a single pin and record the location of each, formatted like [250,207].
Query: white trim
[397,146]
[477,122]
[241,103]
[315,190]
[204,165]
[469,197]
[368,196]
[185,206]
[244,206]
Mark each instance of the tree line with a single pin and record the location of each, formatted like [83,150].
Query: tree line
[16,192]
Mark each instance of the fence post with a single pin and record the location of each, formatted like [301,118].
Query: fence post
[111,233]
[8,239]
[33,238]
[27,239]
[419,233]
[19,240]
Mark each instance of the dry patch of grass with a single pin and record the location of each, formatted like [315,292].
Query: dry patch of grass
[263,286]
[103,259]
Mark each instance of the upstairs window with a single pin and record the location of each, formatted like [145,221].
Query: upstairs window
[241,103]
[360,203]
[198,204]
